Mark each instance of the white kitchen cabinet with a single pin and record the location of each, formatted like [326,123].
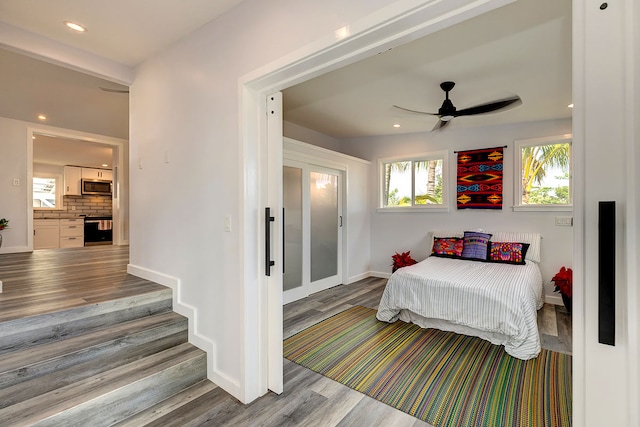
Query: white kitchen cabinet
[91,173]
[46,233]
[71,233]
[72,176]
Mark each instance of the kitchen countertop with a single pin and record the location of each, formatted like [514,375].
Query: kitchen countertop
[50,215]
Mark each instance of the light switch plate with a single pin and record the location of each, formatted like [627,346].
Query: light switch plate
[564,221]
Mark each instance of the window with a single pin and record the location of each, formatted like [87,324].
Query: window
[416,183]
[47,191]
[543,179]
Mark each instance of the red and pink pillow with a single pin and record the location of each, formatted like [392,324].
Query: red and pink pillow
[447,247]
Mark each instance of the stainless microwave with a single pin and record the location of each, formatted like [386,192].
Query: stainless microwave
[96,186]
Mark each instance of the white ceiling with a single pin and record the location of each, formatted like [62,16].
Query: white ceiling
[51,150]
[523,48]
[69,99]
[125,31]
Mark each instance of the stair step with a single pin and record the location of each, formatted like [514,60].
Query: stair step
[36,370]
[114,395]
[173,407]
[35,330]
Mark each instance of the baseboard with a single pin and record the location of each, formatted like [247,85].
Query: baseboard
[14,249]
[358,277]
[221,379]
[554,299]
[380,274]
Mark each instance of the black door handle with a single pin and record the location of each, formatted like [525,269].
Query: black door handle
[268,263]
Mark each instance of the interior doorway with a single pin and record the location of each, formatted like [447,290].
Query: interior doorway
[119,159]
[310,62]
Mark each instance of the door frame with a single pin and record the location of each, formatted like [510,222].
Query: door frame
[120,198]
[391,26]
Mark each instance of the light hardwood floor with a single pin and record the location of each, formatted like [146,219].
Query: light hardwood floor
[49,280]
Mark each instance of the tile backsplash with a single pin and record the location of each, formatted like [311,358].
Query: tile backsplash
[95,205]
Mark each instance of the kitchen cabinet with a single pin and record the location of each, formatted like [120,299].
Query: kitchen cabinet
[104,174]
[71,233]
[46,233]
[72,176]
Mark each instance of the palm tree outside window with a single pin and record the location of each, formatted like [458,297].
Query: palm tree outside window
[544,178]
[416,182]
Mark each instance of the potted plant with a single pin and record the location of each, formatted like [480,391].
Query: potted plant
[4,223]
[401,260]
[563,281]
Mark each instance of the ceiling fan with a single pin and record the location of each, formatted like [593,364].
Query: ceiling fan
[106,89]
[448,111]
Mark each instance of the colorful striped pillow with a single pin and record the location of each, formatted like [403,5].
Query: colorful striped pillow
[475,245]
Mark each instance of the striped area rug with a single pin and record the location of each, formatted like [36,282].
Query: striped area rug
[443,378]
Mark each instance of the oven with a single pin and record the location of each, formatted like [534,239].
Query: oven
[98,230]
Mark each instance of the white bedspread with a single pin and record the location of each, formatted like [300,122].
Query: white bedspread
[494,299]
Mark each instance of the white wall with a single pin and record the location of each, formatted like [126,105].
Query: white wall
[13,199]
[184,105]
[402,231]
[300,133]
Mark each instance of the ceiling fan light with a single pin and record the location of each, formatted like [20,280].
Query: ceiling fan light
[446,118]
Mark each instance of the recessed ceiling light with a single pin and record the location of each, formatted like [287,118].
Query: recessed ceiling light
[570,105]
[396,125]
[75,27]
[42,117]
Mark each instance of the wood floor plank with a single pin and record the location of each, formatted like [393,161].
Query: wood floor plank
[47,281]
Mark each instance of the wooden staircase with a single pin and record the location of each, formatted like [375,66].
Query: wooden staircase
[117,361]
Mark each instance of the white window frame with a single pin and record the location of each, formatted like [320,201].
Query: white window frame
[517,187]
[59,189]
[434,155]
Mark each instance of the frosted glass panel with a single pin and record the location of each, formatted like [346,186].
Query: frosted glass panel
[292,198]
[324,225]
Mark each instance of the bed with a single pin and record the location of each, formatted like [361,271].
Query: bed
[496,301]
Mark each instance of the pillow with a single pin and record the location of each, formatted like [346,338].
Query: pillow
[507,252]
[533,239]
[447,247]
[475,245]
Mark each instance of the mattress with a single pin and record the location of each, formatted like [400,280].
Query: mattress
[496,302]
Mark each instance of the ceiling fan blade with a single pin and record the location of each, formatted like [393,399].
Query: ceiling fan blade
[414,111]
[490,106]
[440,125]
[106,89]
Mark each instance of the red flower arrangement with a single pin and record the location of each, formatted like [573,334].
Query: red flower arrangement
[564,281]
[402,260]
